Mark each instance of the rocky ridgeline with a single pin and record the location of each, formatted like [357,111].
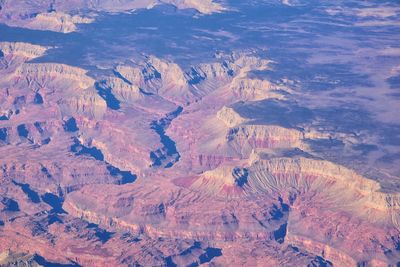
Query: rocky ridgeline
[167,79]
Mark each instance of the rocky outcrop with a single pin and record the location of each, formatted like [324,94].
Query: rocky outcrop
[251,89]
[223,181]
[57,21]
[167,79]
[249,137]
[230,117]
[124,91]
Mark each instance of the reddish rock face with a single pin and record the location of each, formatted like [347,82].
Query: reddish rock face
[151,164]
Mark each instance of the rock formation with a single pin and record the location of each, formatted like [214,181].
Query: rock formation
[151,164]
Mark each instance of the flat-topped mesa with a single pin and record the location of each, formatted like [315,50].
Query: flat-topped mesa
[325,196]
[57,21]
[25,50]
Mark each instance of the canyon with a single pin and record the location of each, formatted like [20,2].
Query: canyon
[151,162]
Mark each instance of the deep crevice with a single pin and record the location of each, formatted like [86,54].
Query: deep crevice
[168,154]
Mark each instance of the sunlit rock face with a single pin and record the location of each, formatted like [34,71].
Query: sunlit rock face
[199,133]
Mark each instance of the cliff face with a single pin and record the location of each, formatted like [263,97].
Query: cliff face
[123,91]
[249,137]
[150,164]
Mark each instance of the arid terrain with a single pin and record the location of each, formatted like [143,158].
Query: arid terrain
[199,133]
